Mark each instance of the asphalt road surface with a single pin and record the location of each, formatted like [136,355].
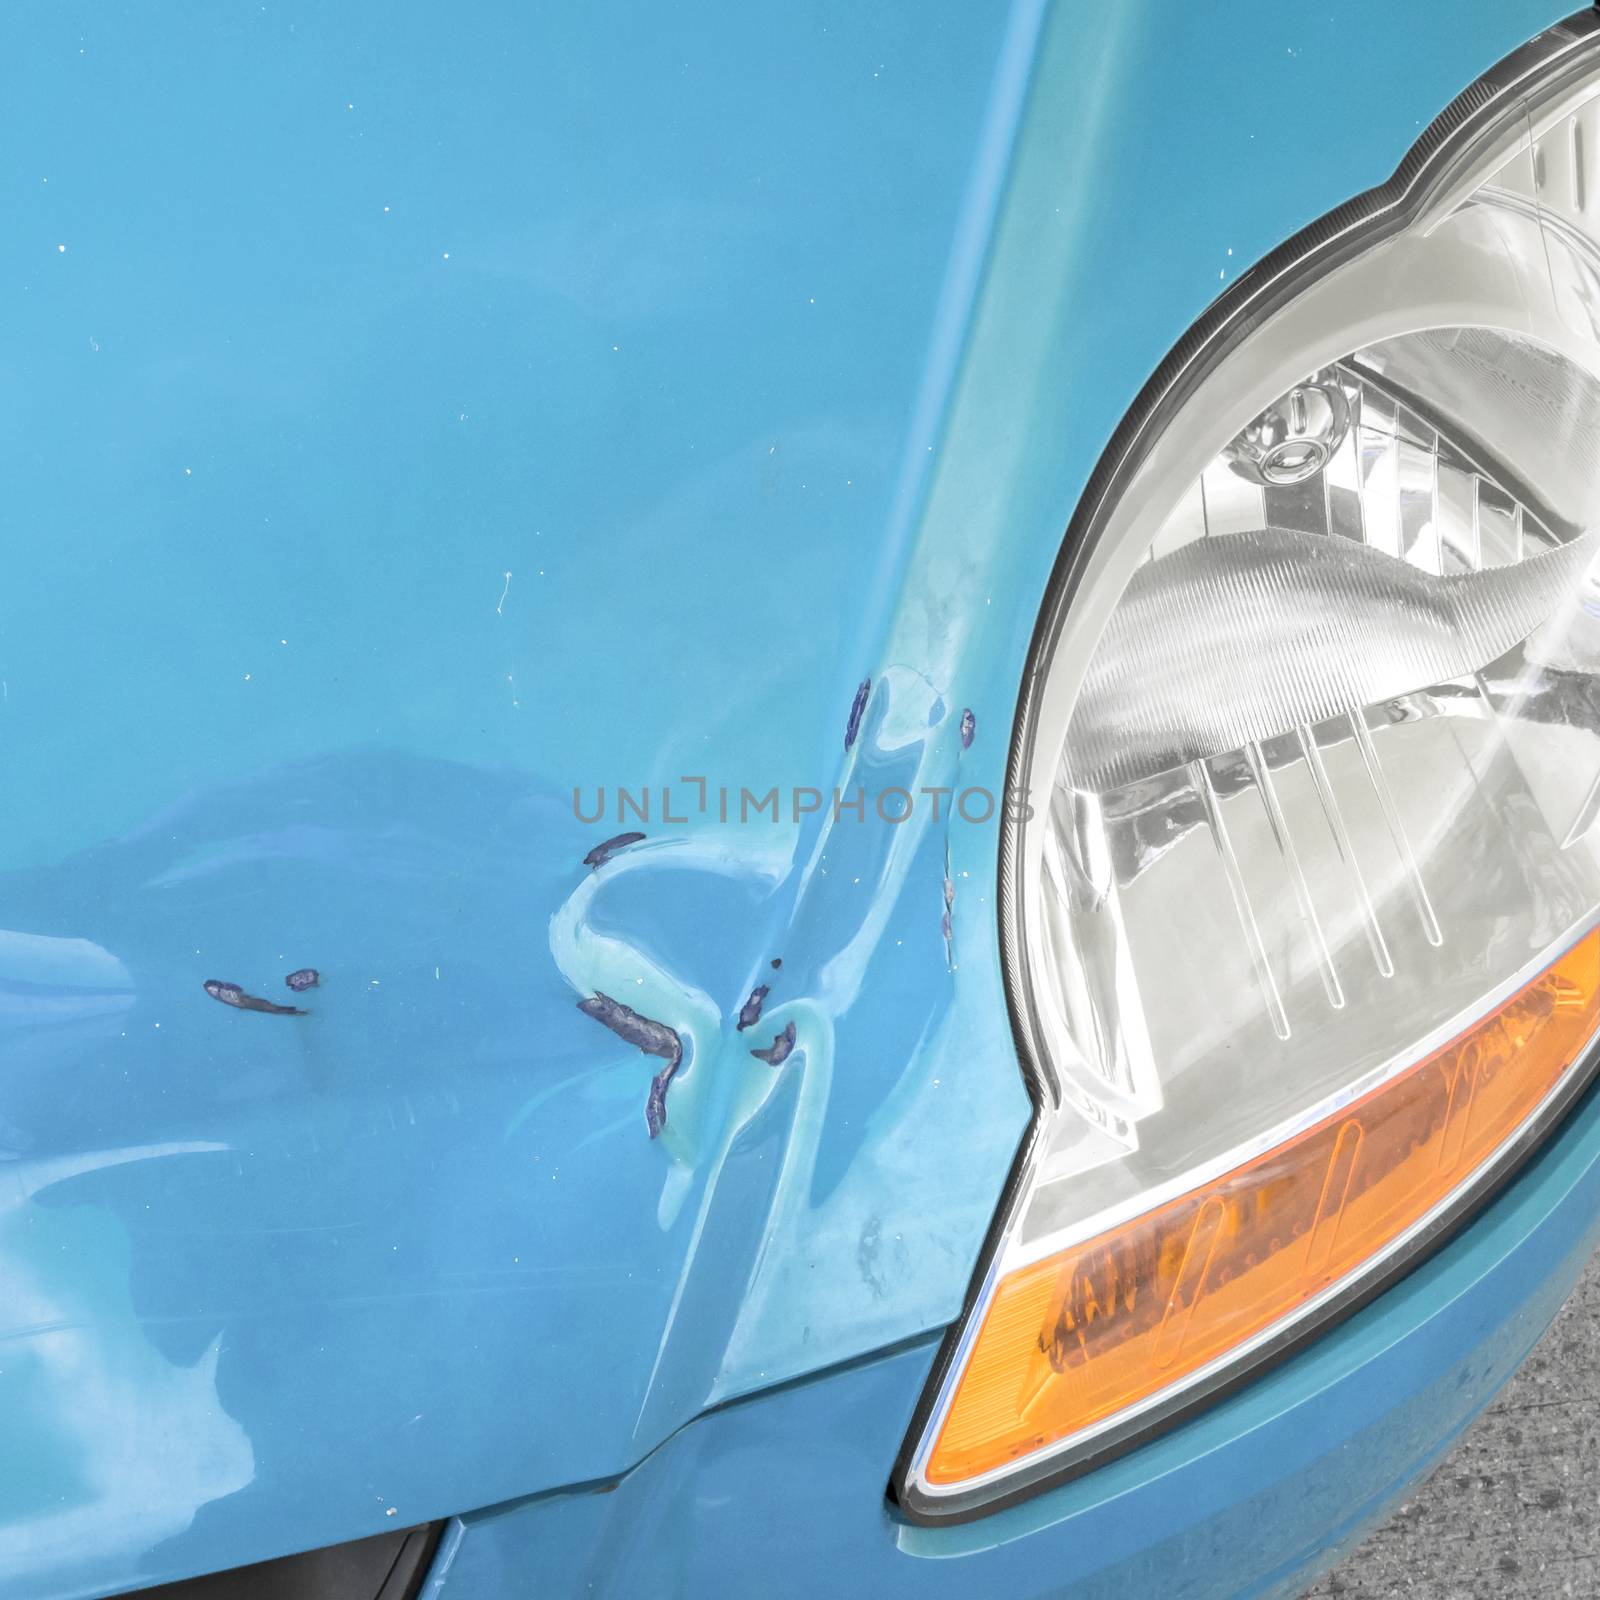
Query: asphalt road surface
[1513,1511]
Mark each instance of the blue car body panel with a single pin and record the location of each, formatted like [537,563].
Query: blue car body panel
[415,418]
[782,1493]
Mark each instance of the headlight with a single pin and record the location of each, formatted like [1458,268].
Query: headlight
[1301,936]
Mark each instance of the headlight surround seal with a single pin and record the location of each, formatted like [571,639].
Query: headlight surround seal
[1445,164]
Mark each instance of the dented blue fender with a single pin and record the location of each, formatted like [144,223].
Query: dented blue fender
[421,425]
[779,1493]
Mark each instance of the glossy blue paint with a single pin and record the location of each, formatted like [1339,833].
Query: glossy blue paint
[411,416]
[358,313]
[780,1494]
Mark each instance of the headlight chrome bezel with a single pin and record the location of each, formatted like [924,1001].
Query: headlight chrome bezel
[1288,292]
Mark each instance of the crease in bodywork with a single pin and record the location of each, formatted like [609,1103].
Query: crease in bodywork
[972,243]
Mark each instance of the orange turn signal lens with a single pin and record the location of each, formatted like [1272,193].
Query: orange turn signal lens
[1116,1320]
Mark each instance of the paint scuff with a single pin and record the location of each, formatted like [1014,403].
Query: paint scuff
[607,848]
[857,707]
[303,979]
[969,727]
[946,927]
[652,1038]
[750,1011]
[779,1050]
[230,994]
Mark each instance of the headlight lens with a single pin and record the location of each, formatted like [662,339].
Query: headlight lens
[1304,943]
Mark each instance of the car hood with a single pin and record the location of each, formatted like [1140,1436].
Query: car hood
[481,454]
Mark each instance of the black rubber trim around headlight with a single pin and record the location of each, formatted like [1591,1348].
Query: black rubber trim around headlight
[1477,115]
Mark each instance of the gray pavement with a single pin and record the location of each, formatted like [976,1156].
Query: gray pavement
[1513,1511]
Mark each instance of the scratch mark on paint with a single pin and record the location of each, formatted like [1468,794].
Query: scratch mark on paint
[779,1050]
[945,925]
[499,609]
[867,1250]
[645,1033]
[858,705]
[230,994]
[607,848]
[649,1036]
[655,1104]
[750,1011]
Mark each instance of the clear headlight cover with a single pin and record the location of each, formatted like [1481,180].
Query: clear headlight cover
[1303,933]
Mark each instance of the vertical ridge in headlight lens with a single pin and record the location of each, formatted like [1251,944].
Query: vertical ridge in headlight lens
[1110,1323]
